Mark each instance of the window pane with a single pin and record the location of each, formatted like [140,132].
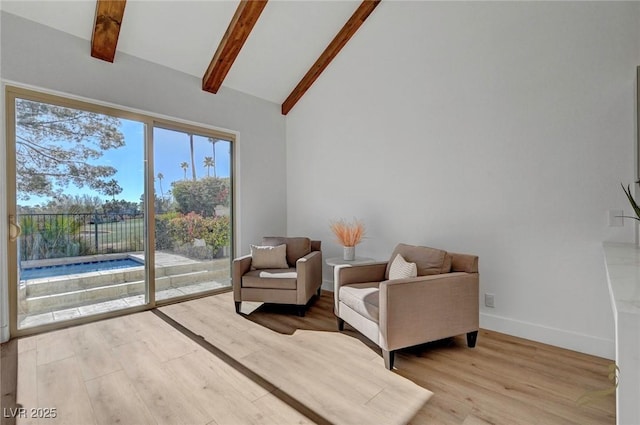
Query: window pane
[192,206]
[79,179]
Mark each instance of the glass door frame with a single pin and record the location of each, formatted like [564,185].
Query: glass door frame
[14,92]
[187,128]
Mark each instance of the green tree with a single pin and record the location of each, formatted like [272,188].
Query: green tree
[200,196]
[112,189]
[160,205]
[121,208]
[58,146]
[208,162]
[71,204]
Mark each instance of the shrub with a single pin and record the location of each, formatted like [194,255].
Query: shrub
[186,228]
[219,232]
[200,196]
[164,239]
[49,236]
[181,230]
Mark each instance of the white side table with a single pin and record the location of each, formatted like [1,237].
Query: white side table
[338,261]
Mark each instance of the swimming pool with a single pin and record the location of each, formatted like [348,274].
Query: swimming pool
[73,268]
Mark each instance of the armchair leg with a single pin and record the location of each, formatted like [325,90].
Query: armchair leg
[300,310]
[388,357]
[238,306]
[340,324]
[319,291]
[472,337]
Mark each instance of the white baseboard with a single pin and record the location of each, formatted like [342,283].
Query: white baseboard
[327,285]
[582,343]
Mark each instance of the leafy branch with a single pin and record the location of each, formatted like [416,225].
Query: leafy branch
[634,204]
[58,146]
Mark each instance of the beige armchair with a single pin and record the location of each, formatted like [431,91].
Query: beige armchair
[273,277]
[440,302]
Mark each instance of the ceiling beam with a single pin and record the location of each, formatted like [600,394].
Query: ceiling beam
[240,27]
[332,50]
[106,28]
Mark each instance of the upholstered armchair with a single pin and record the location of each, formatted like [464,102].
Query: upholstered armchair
[420,295]
[281,270]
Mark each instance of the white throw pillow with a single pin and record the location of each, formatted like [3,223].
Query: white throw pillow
[401,269]
[269,257]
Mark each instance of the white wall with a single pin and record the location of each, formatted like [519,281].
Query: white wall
[43,57]
[4,294]
[500,129]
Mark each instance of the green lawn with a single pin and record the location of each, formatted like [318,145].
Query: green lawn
[115,233]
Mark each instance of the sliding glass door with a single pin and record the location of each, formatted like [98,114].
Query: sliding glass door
[192,212]
[110,210]
[78,177]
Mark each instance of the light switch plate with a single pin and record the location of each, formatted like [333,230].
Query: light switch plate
[489,300]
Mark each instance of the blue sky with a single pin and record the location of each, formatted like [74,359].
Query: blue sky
[171,149]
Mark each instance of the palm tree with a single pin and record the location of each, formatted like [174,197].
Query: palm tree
[208,162]
[193,161]
[184,166]
[160,177]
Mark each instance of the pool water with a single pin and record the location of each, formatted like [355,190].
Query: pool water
[73,268]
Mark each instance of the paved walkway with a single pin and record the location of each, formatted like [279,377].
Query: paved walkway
[162,260]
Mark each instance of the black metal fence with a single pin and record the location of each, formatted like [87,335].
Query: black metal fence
[74,234]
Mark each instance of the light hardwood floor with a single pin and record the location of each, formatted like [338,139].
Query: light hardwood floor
[198,362]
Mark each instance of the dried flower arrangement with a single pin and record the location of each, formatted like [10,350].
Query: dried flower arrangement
[348,234]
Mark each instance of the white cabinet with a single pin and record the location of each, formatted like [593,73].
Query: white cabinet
[623,275]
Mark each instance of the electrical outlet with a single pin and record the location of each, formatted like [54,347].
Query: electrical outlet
[489,300]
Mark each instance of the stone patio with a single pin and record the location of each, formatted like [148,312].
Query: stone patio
[47,300]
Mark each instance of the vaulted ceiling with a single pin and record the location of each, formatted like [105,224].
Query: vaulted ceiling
[273,50]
